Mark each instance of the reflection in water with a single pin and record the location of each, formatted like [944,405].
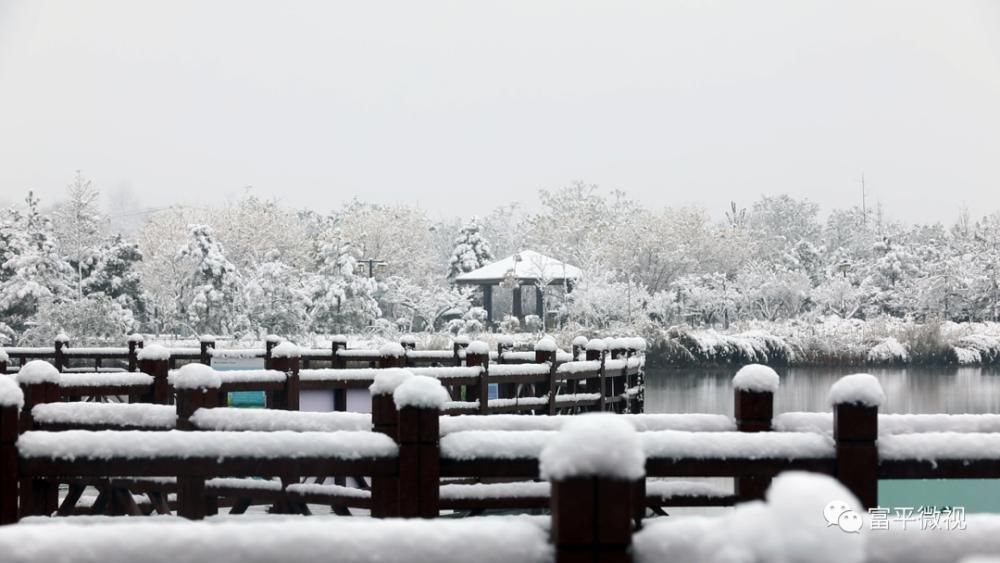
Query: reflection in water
[913,389]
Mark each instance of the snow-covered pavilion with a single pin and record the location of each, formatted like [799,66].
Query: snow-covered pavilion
[527,267]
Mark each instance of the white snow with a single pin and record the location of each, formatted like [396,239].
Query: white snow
[448,372]
[461,340]
[387,380]
[443,355]
[860,388]
[892,423]
[407,339]
[135,337]
[112,414]
[888,351]
[478,347]
[194,376]
[932,446]
[674,444]
[38,371]
[504,339]
[270,420]
[273,338]
[981,536]
[358,353]
[237,353]
[664,489]
[248,484]
[289,540]
[519,356]
[597,344]
[106,351]
[62,337]
[10,394]
[617,364]
[580,367]
[788,527]
[338,338]
[153,352]
[206,338]
[3,356]
[593,445]
[331,490]
[81,444]
[694,422]
[756,378]
[494,444]
[580,341]
[251,376]
[391,350]
[520,489]
[636,343]
[95,379]
[501,370]
[546,344]
[286,350]
[421,392]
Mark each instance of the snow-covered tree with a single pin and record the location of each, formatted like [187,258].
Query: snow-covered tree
[277,299]
[32,272]
[210,297]
[78,224]
[471,250]
[341,299]
[111,270]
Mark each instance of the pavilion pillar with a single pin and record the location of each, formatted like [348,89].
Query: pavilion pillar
[488,303]
[517,312]
[540,304]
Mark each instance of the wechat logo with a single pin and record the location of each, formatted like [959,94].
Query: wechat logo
[837,513]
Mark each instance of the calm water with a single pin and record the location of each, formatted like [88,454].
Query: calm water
[908,390]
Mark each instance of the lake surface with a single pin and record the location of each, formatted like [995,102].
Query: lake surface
[908,390]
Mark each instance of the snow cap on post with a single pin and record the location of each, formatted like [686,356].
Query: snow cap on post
[756,378]
[860,389]
[598,344]
[546,344]
[10,394]
[388,379]
[594,445]
[62,337]
[461,340]
[153,352]
[273,338]
[135,337]
[407,339]
[580,341]
[286,350]
[422,392]
[391,350]
[206,338]
[338,338]
[195,376]
[478,347]
[505,340]
[3,356]
[37,371]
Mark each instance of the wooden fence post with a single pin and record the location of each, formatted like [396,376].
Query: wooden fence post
[478,355]
[505,343]
[11,402]
[196,386]
[3,362]
[408,342]
[285,357]
[339,342]
[206,342]
[545,351]
[579,346]
[39,381]
[391,355]
[595,353]
[135,343]
[154,360]
[856,399]
[385,420]
[419,400]
[592,501]
[61,343]
[270,341]
[754,387]
[618,350]
[458,344]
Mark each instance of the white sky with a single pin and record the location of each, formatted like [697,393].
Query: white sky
[462,105]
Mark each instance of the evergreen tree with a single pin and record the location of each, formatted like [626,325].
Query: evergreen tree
[111,270]
[210,297]
[471,251]
[341,299]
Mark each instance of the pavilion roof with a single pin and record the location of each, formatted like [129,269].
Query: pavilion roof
[528,266]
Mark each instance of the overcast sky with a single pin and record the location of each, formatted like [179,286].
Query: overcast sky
[463,105]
